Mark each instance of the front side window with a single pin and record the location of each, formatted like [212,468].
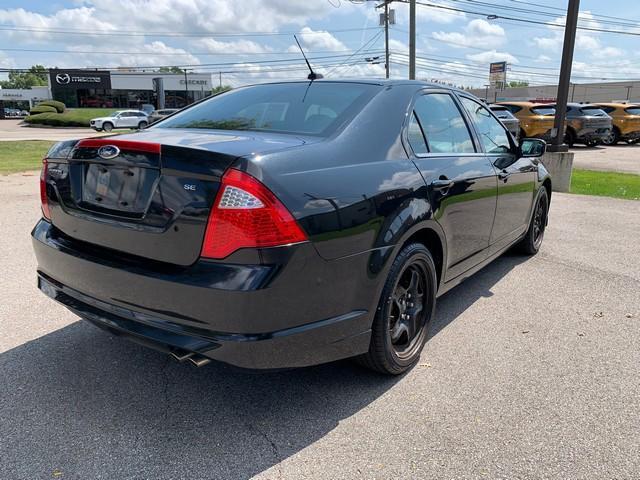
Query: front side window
[443,124]
[316,108]
[633,110]
[492,133]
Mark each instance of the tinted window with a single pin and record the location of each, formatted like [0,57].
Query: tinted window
[547,111]
[502,113]
[416,139]
[593,111]
[306,108]
[443,124]
[492,133]
[608,109]
[513,108]
[633,110]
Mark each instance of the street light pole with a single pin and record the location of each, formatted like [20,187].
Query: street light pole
[412,39]
[557,136]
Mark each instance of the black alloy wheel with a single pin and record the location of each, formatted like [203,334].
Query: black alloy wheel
[613,138]
[406,307]
[532,241]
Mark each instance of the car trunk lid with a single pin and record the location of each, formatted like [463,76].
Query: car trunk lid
[146,194]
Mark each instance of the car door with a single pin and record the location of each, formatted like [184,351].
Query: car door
[516,176]
[126,119]
[461,181]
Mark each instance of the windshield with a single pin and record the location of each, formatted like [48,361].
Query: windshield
[593,111]
[301,108]
[546,111]
[633,110]
[502,113]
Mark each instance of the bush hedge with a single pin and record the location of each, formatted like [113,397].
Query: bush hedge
[43,109]
[59,106]
[72,117]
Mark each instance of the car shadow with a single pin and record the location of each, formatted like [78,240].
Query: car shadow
[80,403]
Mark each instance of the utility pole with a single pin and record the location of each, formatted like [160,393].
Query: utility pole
[557,136]
[412,39]
[386,38]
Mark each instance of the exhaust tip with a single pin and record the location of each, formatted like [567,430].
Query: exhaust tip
[199,360]
[181,355]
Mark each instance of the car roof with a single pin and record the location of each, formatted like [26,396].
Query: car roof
[369,81]
[614,104]
[524,104]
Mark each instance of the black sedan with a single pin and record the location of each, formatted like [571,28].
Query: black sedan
[288,224]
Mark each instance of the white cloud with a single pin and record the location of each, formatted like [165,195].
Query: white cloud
[492,56]
[608,52]
[212,45]
[477,33]
[318,40]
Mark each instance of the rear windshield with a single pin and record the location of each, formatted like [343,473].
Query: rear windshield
[593,111]
[633,110]
[302,108]
[547,111]
[502,113]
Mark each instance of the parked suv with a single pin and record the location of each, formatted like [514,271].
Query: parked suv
[160,114]
[288,224]
[507,118]
[626,122]
[536,119]
[587,124]
[120,119]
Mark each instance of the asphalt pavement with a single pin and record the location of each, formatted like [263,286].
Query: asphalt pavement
[13,130]
[531,371]
[618,158]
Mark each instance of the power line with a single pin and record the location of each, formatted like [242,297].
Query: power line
[128,33]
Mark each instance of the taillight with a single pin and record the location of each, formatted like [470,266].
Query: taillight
[44,201]
[246,214]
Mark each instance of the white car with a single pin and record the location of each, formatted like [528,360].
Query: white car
[121,119]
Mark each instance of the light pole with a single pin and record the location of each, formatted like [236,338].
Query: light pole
[557,136]
[412,39]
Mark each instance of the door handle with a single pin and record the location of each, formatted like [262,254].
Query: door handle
[442,184]
[503,175]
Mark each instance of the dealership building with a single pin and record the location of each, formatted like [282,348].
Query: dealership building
[127,89]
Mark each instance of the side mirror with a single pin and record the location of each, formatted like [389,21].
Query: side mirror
[532,147]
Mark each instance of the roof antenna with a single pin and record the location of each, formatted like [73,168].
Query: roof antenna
[313,75]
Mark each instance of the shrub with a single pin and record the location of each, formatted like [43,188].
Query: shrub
[43,109]
[59,106]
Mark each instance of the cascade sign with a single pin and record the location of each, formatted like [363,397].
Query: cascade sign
[79,79]
[498,74]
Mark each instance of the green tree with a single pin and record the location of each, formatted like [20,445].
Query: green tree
[36,76]
[517,83]
[220,89]
[170,70]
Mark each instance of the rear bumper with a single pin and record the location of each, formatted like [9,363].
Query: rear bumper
[589,134]
[250,316]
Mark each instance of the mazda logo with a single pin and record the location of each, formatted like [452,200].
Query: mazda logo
[108,152]
[63,78]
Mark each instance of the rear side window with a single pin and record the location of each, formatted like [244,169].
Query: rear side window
[502,113]
[513,108]
[608,109]
[633,110]
[443,124]
[416,138]
[492,133]
[316,108]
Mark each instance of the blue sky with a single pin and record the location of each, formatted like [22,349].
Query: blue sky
[230,36]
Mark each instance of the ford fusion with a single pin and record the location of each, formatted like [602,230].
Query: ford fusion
[288,224]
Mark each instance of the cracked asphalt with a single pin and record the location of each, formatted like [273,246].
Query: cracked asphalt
[531,371]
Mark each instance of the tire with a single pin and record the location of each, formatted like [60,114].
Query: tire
[570,137]
[412,276]
[142,125]
[613,138]
[107,126]
[530,244]
[98,129]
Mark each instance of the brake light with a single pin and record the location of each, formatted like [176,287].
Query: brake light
[247,214]
[44,200]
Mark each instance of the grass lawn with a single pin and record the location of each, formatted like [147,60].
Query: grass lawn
[606,184]
[71,117]
[22,155]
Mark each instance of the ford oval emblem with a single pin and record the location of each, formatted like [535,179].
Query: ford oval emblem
[108,152]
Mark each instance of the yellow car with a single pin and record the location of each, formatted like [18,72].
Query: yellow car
[536,119]
[626,122]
